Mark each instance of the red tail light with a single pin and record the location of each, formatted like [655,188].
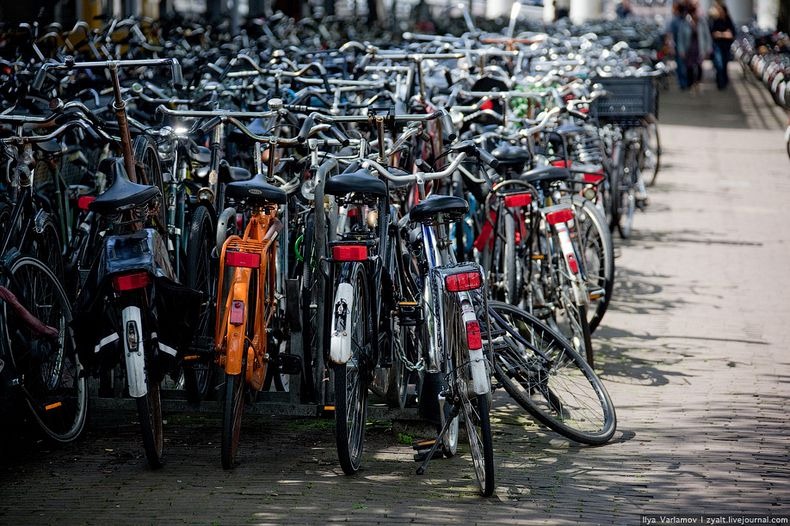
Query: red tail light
[573,265]
[561,163]
[518,200]
[84,202]
[463,281]
[487,105]
[349,252]
[242,259]
[127,282]
[559,216]
[473,336]
[593,178]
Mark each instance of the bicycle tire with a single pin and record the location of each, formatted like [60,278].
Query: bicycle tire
[149,410]
[233,408]
[653,150]
[598,256]
[56,391]
[202,276]
[351,382]
[544,388]
[149,169]
[625,225]
[511,278]
[477,417]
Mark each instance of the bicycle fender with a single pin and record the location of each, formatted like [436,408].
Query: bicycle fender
[481,378]
[340,340]
[132,327]
[235,342]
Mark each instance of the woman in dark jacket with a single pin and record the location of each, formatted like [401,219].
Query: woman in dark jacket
[723,32]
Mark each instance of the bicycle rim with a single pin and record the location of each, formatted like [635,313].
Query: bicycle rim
[55,384]
[542,372]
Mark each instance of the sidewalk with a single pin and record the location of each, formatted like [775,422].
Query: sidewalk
[693,351]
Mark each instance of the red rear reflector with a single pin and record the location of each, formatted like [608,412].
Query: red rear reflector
[349,252]
[561,163]
[573,265]
[518,200]
[593,178]
[242,259]
[559,216]
[463,281]
[487,105]
[473,336]
[125,282]
[84,202]
[237,312]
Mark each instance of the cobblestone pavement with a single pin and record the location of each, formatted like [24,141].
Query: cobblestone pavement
[694,353]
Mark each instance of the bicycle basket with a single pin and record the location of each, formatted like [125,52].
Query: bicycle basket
[627,98]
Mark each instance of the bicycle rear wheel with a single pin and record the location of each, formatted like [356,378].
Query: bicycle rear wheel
[149,410]
[474,407]
[542,372]
[233,408]
[54,382]
[351,381]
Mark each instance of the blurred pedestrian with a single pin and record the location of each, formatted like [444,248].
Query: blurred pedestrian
[623,9]
[681,32]
[723,32]
[699,47]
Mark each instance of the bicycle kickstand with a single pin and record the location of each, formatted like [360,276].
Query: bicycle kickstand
[424,466]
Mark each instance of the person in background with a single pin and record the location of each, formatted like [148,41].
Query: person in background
[624,9]
[700,47]
[723,32]
[680,31]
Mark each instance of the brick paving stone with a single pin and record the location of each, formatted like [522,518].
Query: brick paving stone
[693,351]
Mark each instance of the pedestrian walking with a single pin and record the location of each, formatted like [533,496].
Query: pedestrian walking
[723,33]
[681,33]
[699,47]
[623,9]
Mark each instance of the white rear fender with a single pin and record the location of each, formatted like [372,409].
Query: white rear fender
[132,336]
[340,337]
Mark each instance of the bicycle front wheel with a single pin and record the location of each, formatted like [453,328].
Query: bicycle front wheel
[542,372]
[351,380]
[55,385]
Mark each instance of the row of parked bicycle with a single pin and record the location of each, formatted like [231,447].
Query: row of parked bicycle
[766,56]
[426,222]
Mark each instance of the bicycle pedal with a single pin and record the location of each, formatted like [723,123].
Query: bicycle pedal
[423,444]
[596,293]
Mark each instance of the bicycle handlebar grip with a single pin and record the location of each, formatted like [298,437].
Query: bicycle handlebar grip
[341,136]
[40,77]
[210,124]
[488,158]
[178,75]
[449,134]
[304,132]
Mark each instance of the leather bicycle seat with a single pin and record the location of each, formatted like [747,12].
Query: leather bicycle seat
[122,193]
[359,182]
[440,209]
[256,189]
